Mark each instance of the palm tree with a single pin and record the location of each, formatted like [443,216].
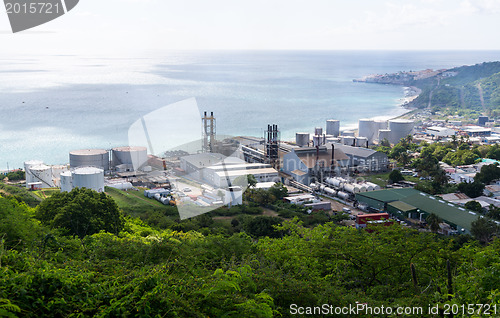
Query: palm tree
[433,221]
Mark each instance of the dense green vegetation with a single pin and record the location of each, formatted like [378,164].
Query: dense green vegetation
[144,271]
[13,175]
[463,92]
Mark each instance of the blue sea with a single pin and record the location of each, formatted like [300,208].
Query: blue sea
[50,105]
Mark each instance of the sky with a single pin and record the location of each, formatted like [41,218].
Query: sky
[122,26]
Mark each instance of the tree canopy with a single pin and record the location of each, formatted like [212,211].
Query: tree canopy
[81,212]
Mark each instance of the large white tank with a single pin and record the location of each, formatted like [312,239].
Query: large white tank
[27,167]
[333,140]
[384,134]
[367,129]
[98,158]
[56,174]
[361,142]
[89,177]
[318,131]
[135,156]
[333,127]
[348,140]
[319,140]
[302,139]
[348,133]
[66,181]
[41,173]
[381,124]
[400,128]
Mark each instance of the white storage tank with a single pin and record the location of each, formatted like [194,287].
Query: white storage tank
[98,158]
[348,133]
[89,177]
[381,124]
[384,134]
[351,188]
[368,129]
[302,139]
[342,195]
[27,167]
[372,186]
[333,127]
[66,181]
[319,140]
[361,142]
[330,192]
[349,141]
[135,156]
[400,128]
[333,140]
[360,187]
[41,173]
[318,131]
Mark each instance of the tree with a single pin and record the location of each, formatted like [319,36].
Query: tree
[263,226]
[279,191]
[81,212]
[433,221]
[488,173]
[494,212]
[471,189]
[396,176]
[474,206]
[483,229]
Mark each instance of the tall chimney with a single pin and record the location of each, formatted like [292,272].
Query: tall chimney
[333,155]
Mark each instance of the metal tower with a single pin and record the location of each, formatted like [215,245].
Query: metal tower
[272,136]
[208,131]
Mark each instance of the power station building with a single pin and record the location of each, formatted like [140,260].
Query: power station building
[220,171]
[306,164]
[364,159]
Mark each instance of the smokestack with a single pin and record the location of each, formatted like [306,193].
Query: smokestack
[333,154]
[317,153]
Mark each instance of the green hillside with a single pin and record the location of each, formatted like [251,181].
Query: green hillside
[473,88]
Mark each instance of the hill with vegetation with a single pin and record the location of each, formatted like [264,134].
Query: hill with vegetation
[466,88]
[63,258]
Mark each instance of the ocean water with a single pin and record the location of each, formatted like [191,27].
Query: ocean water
[50,105]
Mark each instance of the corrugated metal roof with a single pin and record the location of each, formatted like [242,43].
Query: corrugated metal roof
[356,151]
[427,203]
[401,206]
[309,158]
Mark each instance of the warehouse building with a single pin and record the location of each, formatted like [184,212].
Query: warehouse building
[364,159]
[410,203]
[305,164]
[220,171]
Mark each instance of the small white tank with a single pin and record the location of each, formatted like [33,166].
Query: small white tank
[333,127]
[66,181]
[302,139]
[41,173]
[89,177]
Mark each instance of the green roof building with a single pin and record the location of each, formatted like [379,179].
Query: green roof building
[410,203]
